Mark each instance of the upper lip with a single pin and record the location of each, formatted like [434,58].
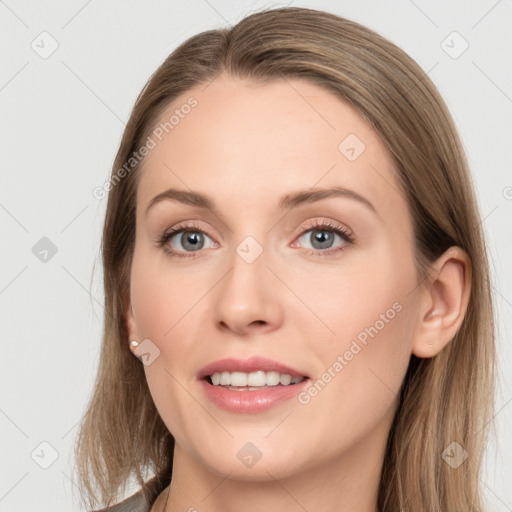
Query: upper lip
[252,364]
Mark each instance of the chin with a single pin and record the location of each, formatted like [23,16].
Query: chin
[251,460]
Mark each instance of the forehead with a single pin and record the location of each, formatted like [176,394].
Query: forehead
[251,143]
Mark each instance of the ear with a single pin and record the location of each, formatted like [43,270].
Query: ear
[443,304]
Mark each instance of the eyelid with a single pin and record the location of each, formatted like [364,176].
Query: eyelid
[327,224]
[186,226]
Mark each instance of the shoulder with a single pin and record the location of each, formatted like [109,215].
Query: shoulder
[134,503]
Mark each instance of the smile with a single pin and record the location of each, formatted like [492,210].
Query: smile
[252,385]
[254,380]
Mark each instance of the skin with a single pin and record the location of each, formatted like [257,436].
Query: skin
[246,145]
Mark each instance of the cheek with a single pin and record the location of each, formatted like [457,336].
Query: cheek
[370,313]
[367,297]
[165,305]
[357,392]
[160,297]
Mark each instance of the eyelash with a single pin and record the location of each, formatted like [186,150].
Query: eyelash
[324,225]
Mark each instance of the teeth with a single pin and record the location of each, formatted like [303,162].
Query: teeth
[285,379]
[253,379]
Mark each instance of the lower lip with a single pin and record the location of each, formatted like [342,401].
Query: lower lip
[250,401]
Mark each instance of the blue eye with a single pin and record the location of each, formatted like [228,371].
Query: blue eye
[323,235]
[322,238]
[191,238]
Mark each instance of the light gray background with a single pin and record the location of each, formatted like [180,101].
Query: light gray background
[61,122]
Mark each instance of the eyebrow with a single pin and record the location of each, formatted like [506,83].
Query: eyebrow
[288,201]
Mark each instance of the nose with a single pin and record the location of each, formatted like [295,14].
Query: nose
[248,299]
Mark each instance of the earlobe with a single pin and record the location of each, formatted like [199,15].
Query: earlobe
[444,303]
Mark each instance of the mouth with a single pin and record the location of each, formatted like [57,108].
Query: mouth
[252,385]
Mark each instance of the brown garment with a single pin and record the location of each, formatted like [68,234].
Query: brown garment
[134,503]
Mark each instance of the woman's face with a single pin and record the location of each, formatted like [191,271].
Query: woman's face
[255,274]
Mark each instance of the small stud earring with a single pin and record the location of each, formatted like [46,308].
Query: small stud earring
[135,344]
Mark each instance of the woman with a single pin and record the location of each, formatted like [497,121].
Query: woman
[293,254]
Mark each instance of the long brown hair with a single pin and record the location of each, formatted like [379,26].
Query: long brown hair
[444,399]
